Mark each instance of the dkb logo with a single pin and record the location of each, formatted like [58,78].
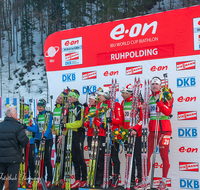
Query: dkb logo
[187,132]
[186,82]
[189,183]
[69,77]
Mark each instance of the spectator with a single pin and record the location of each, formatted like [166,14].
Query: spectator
[12,139]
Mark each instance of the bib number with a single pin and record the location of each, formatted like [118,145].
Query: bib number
[40,126]
[166,140]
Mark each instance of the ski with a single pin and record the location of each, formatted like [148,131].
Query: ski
[108,148]
[39,165]
[132,141]
[22,164]
[60,148]
[144,137]
[68,159]
[93,158]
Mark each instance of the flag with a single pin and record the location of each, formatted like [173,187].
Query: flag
[35,111]
[15,103]
[7,102]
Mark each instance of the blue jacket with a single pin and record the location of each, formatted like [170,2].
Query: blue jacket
[31,129]
[48,135]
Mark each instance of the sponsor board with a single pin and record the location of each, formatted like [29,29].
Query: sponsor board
[189,166]
[69,77]
[187,132]
[159,68]
[185,65]
[156,181]
[89,75]
[188,150]
[71,51]
[111,73]
[187,99]
[186,183]
[157,165]
[109,86]
[187,115]
[89,89]
[134,70]
[183,82]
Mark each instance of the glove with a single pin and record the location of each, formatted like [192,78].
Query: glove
[109,119]
[85,105]
[43,140]
[24,126]
[63,126]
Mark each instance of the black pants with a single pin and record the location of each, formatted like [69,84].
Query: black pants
[13,171]
[137,160]
[115,159]
[47,158]
[56,143]
[77,158]
[100,162]
[31,161]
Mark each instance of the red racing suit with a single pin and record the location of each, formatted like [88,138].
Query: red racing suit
[126,110]
[164,107]
[87,124]
[116,120]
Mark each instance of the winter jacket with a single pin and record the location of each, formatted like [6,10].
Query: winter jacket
[126,111]
[35,126]
[116,118]
[12,139]
[88,124]
[163,109]
[77,110]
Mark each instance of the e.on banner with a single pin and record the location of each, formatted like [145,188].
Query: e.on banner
[142,38]
[143,47]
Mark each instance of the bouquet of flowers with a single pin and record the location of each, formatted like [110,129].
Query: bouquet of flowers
[120,135]
[97,113]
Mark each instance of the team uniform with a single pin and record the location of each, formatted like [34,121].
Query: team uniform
[163,108]
[115,122]
[48,138]
[77,158]
[126,106]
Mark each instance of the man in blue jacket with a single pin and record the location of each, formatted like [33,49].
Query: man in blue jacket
[12,139]
[47,138]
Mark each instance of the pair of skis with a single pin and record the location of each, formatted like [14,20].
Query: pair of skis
[93,158]
[144,136]
[131,139]
[22,164]
[59,165]
[40,157]
[108,147]
[68,158]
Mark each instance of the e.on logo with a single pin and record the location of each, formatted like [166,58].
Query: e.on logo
[111,73]
[159,68]
[120,31]
[188,150]
[71,42]
[187,99]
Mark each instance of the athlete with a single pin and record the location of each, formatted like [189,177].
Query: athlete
[77,159]
[115,120]
[47,138]
[126,105]
[160,109]
[30,134]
